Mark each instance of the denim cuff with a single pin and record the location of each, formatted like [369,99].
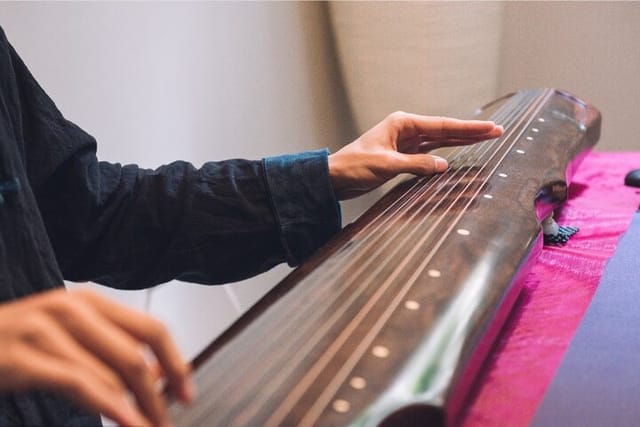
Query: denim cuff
[303,201]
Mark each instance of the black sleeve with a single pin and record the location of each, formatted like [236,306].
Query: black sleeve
[129,227]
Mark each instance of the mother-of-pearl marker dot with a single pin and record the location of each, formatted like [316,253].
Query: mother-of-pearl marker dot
[529,138]
[540,119]
[380,351]
[341,405]
[534,129]
[463,231]
[412,305]
[358,383]
[434,273]
[520,151]
[503,175]
[488,196]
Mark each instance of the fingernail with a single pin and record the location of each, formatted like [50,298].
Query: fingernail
[441,164]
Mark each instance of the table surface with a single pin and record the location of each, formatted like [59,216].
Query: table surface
[556,294]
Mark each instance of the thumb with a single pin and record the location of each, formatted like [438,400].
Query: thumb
[417,164]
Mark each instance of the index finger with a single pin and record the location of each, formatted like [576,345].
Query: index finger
[442,127]
[155,335]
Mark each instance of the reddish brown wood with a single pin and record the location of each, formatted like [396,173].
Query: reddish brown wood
[299,356]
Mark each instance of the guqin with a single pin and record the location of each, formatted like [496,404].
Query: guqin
[390,322]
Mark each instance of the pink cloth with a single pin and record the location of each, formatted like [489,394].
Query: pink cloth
[556,294]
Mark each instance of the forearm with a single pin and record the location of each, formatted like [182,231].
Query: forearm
[130,228]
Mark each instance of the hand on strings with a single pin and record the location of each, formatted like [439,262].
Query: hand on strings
[399,144]
[106,357]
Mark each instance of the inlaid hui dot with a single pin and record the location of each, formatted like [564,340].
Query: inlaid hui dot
[412,305]
[520,151]
[341,405]
[488,196]
[380,351]
[534,130]
[434,273]
[463,231]
[503,175]
[358,383]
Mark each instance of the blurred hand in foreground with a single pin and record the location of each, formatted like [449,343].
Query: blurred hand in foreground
[104,356]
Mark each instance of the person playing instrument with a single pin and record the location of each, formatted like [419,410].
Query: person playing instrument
[64,215]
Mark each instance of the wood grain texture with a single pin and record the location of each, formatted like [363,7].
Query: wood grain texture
[389,323]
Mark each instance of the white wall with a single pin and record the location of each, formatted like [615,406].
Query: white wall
[426,57]
[443,57]
[155,82]
[589,48]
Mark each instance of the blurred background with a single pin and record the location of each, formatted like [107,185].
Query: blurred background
[156,82]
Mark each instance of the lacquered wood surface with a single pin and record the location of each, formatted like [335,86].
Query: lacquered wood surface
[389,323]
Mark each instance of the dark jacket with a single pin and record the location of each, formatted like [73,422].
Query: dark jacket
[64,215]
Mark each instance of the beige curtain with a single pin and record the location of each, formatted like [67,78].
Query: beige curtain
[438,58]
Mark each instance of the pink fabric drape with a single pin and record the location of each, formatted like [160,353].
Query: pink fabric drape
[556,294]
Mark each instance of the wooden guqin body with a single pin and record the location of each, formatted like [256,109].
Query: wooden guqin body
[390,322]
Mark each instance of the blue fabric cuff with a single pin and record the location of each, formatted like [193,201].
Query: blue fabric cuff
[303,201]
